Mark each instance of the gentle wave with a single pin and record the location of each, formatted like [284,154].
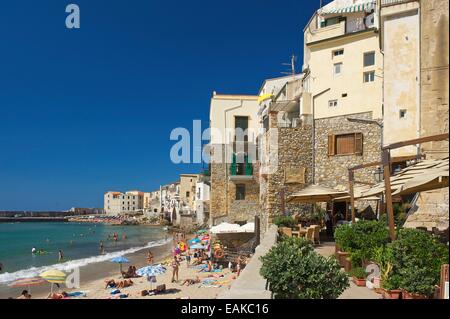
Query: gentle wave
[68,266]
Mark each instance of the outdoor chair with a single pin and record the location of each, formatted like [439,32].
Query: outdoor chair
[286,231]
[310,233]
[316,237]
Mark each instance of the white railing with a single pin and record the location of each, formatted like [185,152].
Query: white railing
[385,3]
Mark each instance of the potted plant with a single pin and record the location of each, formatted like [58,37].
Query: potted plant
[295,271]
[417,283]
[417,259]
[358,275]
[391,287]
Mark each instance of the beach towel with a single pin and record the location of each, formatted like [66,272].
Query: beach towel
[115,292]
[77,294]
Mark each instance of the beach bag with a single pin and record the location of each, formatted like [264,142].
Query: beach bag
[144,293]
[161,288]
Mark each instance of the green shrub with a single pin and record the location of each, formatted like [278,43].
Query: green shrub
[284,221]
[393,282]
[358,273]
[417,259]
[360,239]
[295,271]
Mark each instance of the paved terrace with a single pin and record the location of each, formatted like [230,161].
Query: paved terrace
[251,285]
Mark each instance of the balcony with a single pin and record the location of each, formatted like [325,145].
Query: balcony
[241,171]
[345,26]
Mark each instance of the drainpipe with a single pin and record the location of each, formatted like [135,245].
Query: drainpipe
[313,133]
[419,80]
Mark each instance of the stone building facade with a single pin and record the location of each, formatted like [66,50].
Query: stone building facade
[293,171]
[332,170]
[224,206]
[434,60]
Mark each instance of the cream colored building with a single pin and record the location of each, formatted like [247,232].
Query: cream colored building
[342,92]
[187,192]
[117,203]
[400,42]
[234,189]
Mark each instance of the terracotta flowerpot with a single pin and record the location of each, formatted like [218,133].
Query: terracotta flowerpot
[392,294]
[359,282]
[410,295]
[341,257]
[347,264]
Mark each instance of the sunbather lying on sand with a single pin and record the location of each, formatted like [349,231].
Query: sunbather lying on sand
[55,295]
[111,283]
[191,281]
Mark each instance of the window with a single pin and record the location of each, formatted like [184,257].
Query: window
[338,52]
[345,144]
[331,21]
[240,192]
[188,194]
[333,103]
[369,76]
[369,59]
[402,113]
[241,122]
[337,69]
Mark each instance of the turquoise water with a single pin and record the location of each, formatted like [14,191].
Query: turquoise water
[80,243]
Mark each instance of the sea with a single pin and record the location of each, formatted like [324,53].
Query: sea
[79,242]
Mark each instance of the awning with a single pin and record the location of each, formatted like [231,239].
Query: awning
[337,7]
[264,97]
[316,194]
[423,176]
[358,192]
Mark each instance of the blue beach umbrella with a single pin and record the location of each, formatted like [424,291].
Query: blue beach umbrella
[194,241]
[120,260]
[151,272]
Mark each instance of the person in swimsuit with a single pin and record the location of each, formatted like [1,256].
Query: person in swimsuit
[189,282]
[175,268]
[60,255]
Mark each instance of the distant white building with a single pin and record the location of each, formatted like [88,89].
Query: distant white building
[117,203]
[202,201]
[152,203]
[170,202]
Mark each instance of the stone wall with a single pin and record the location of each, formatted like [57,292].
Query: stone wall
[332,171]
[294,151]
[224,206]
[434,74]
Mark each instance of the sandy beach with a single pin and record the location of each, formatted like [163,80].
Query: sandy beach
[93,276]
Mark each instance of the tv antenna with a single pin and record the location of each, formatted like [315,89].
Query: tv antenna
[291,65]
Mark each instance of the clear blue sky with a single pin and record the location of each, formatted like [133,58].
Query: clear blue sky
[90,110]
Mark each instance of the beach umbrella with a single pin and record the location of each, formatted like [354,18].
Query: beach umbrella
[151,272]
[194,241]
[198,246]
[28,282]
[54,276]
[120,260]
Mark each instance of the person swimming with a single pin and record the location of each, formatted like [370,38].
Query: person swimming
[33,250]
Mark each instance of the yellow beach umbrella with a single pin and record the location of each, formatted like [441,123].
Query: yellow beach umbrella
[54,276]
[264,97]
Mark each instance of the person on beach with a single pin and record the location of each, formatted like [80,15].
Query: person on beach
[188,258]
[175,268]
[24,295]
[55,295]
[102,248]
[124,236]
[60,255]
[189,282]
[149,257]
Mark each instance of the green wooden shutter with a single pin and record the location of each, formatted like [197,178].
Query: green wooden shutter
[233,166]
[248,166]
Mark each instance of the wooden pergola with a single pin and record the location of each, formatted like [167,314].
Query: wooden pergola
[386,162]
